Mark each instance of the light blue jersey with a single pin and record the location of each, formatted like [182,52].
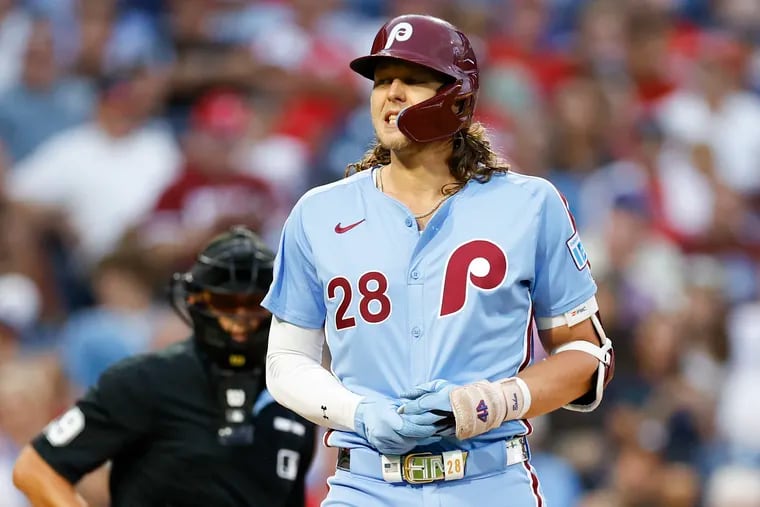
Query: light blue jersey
[455,302]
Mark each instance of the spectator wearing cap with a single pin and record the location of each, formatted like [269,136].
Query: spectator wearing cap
[202,60]
[305,55]
[211,192]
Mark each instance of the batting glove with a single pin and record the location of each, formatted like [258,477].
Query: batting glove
[378,421]
[428,412]
[445,409]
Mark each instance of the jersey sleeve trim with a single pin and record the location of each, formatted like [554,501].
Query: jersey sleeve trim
[571,317]
[561,310]
[45,450]
[294,318]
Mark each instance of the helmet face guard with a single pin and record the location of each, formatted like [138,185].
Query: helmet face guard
[220,297]
[437,45]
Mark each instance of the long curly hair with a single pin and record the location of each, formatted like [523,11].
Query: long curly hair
[471,158]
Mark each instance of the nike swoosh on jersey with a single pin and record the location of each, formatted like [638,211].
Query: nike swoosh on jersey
[340,230]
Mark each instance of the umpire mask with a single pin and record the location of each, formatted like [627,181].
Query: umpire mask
[220,297]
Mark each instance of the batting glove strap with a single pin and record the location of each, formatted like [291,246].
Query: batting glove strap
[482,406]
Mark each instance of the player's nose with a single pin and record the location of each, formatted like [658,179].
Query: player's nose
[397,90]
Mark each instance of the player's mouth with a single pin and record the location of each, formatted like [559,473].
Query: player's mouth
[391,117]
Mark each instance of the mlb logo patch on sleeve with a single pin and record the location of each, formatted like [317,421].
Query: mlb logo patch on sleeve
[577,251]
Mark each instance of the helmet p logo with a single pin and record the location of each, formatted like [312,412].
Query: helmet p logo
[401,32]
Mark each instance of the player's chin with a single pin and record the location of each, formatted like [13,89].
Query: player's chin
[395,141]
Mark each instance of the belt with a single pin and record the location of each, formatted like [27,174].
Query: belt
[425,467]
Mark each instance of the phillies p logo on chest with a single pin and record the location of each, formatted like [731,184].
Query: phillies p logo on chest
[478,262]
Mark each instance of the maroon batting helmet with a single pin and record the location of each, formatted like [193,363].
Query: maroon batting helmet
[438,45]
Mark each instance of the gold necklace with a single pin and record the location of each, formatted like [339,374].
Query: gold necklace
[423,215]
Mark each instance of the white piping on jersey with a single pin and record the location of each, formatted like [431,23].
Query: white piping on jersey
[329,186]
[526,359]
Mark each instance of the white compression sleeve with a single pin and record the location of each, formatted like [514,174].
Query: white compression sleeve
[297,380]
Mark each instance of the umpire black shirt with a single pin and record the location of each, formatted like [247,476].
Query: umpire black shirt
[156,418]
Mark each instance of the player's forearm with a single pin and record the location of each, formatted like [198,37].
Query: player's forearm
[313,392]
[297,380]
[558,380]
[42,485]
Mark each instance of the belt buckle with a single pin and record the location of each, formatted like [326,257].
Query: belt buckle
[423,467]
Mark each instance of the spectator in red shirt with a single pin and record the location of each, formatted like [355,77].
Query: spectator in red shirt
[211,192]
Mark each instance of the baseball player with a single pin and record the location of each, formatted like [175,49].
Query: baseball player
[191,425]
[427,270]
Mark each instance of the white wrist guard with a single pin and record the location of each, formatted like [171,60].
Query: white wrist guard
[482,406]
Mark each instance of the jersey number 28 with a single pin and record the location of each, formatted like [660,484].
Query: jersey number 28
[478,262]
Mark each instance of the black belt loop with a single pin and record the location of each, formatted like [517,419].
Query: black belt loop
[344,459]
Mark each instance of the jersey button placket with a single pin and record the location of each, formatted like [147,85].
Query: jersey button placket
[416,324]
[414,280]
[409,221]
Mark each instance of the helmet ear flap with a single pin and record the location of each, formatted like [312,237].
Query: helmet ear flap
[452,112]
[463,108]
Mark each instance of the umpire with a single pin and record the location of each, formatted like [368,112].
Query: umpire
[191,425]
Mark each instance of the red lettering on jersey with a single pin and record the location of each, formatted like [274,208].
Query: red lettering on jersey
[372,287]
[342,283]
[479,262]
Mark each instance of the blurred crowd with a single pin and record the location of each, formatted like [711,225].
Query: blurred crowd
[131,131]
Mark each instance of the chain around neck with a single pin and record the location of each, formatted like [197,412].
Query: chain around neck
[420,216]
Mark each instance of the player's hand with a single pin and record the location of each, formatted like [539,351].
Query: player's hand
[428,413]
[378,421]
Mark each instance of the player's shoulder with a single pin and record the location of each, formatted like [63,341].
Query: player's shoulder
[516,190]
[328,193]
[534,185]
